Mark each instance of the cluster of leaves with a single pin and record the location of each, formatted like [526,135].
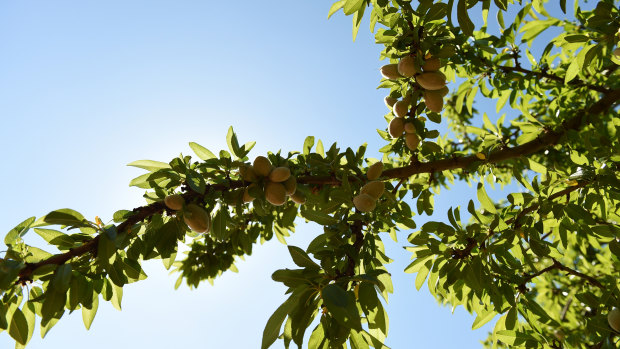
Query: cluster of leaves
[544,260]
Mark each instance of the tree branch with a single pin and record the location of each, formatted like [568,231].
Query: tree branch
[559,266]
[550,198]
[356,229]
[462,253]
[545,139]
[552,77]
[140,214]
[588,278]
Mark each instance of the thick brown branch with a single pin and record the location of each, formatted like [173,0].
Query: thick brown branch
[544,140]
[140,214]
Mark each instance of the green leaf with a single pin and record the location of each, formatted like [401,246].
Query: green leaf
[202,152]
[335,7]
[576,38]
[423,273]
[513,337]
[536,167]
[18,329]
[572,71]
[88,314]
[532,29]
[54,237]
[357,21]
[308,144]
[105,249]
[116,274]
[301,258]
[54,302]
[290,277]
[196,182]
[482,319]
[233,143]
[121,215]
[272,328]
[437,11]
[62,278]
[576,213]
[614,247]
[77,283]
[9,270]
[357,341]
[484,199]
[166,238]
[149,165]
[18,231]
[375,342]
[319,217]
[414,266]
[36,254]
[219,230]
[141,181]
[502,4]
[467,26]
[29,313]
[64,216]
[352,6]
[47,325]
[511,318]
[133,270]
[341,305]
[317,339]
[117,297]
[4,324]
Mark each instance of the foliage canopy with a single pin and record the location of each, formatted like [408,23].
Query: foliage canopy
[544,261]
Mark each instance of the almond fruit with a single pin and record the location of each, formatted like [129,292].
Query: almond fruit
[390,71]
[364,202]
[279,174]
[262,166]
[374,189]
[174,202]
[275,193]
[431,64]
[412,141]
[408,66]
[374,171]
[396,127]
[431,80]
[433,101]
[197,218]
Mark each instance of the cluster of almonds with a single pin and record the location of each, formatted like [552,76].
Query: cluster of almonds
[196,217]
[366,201]
[398,126]
[429,78]
[278,182]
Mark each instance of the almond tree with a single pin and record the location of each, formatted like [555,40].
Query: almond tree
[544,261]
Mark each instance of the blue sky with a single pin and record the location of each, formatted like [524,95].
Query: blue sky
[88,87]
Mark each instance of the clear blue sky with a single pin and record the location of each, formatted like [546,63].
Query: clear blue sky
[89,86]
